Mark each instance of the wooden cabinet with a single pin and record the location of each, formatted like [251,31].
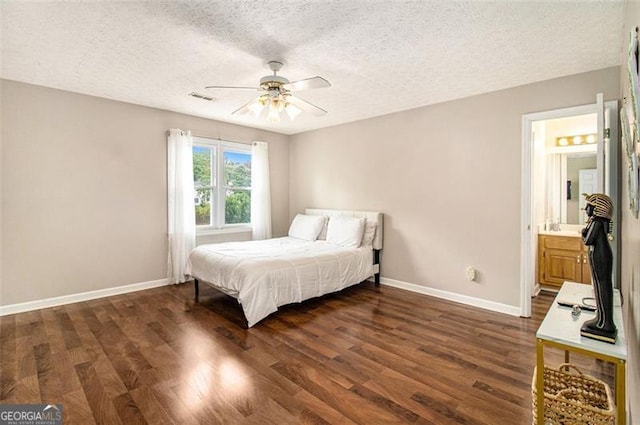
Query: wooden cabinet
[562,258]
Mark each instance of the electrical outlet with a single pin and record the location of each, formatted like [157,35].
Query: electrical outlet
[471,273]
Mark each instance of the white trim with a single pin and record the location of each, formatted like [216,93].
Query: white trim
[452,296]
[600,156]
[590,108]
[527,248]
[82,296]
[563,188]
[210,141]
[240,228]
[536,290]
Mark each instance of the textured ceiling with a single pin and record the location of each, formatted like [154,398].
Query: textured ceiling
[380,56]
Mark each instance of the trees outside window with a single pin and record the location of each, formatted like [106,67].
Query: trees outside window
[222,181]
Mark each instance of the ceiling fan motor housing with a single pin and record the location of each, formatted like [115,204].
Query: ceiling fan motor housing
[273,82]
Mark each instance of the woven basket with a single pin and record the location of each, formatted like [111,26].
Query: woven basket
[573,398]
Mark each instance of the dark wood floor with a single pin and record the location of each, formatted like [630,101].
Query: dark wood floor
[364,356]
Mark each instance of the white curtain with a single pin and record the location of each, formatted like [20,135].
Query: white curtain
[182,222]
[260,191]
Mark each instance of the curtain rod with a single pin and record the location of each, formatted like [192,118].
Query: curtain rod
[214,138]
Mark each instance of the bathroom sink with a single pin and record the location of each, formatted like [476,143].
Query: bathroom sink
[574,233]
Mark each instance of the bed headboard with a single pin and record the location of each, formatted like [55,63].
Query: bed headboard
[371,216]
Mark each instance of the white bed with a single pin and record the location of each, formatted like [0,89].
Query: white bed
[264,275]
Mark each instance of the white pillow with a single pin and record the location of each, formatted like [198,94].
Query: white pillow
[306,227]
[369,234]
[345,231]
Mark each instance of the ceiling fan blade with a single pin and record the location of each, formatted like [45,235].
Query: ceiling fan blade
[232,87]
[306,106]
[255,106]
[246,107]
[307,83]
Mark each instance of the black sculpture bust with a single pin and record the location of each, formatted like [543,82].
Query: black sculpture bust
[595,235]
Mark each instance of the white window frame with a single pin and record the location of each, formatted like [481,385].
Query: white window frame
[218,225]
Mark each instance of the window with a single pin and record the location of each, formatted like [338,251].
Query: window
[222,181]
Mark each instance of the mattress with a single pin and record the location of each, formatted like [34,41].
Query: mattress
[266,274]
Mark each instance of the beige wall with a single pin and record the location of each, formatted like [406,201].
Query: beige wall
[447,178]
[630,238]
[84,190]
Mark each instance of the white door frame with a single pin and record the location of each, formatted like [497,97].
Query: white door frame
[528,244]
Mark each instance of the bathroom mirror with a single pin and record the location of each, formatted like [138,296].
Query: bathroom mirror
[570,167]
[581,177]
[569,175]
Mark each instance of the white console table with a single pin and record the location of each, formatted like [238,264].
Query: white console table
[561,330]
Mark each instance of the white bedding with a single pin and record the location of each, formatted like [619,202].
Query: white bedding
[264,275]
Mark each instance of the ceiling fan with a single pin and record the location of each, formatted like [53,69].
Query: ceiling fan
[276,96]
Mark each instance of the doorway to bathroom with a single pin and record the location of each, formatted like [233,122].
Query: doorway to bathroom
[565,152]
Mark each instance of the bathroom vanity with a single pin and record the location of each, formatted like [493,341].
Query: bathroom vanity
[562,257]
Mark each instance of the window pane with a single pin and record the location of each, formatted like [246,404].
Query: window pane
[202,201]
[237,169]
[237,207]
[201,166]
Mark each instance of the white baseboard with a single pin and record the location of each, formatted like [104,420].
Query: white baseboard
[101,293]
[452,296]
[537,289]
[82,296]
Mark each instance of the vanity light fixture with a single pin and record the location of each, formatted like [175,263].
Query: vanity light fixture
[579,139]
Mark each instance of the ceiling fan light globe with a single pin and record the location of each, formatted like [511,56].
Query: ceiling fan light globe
[292,111]
[255,109]
[274,115]
[276,104]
